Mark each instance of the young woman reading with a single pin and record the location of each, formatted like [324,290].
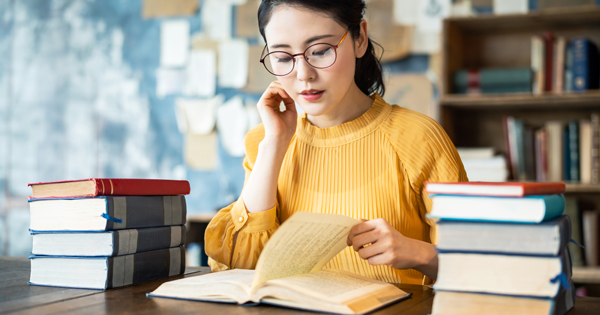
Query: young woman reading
[349,153]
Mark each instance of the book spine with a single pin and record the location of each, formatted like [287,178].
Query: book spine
[140,187]
[585,151]
[145,211]
[569,68]
[537,64]
[548,60]
[566,155]
[529,152]
[585,65]
[133,241]
[555,151]
[590,237]
[595,148]
[574,151]
[495,77]
[146,266]
[559,65]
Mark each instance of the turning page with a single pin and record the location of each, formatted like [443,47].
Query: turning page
[303,243]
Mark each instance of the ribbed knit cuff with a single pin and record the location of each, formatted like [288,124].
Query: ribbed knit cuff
[252,222]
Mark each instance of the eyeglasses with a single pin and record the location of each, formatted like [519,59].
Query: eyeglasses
[320,56]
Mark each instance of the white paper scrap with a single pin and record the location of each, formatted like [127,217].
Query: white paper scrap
[201,73]
[252,114]
[232,125]
[430,15]
[217,19]
[511,6]
[174,43]
[233,63]
[169,81]
[198,116]
[405,11]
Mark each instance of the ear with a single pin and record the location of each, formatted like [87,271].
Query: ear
[362,42]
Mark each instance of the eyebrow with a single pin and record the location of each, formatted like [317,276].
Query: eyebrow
[308,41]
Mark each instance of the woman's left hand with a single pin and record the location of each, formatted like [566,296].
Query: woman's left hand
[381,244]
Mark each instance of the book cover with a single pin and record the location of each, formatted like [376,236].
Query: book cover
[548,60]
[106,272]
[106,213]
[112,243]
[573,130]
[109,187]
[501,189]
[585,64]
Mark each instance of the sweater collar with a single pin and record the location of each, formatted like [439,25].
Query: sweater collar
[346,132]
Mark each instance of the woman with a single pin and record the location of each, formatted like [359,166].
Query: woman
[350,153]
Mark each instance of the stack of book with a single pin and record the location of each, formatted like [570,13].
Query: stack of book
[502,248]
[106,233]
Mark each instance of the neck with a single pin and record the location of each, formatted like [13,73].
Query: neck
[353,105]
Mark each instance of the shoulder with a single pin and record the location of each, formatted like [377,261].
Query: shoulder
[409,129]
[252,140]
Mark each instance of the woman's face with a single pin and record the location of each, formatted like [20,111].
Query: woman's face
[292,30]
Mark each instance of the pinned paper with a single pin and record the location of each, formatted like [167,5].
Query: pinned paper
[162,8]
[396,39]
[232,124]
[174,43]
[246,22]
[511,6]
[169,81]
[430,15]
[258,77]
[201,151]
[233,63]
[405,12]
[216,19]
[252,114]
[201,73]
[197,116]
[412,91]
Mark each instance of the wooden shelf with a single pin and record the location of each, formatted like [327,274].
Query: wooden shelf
[582,188]
[587,99]
[586,275]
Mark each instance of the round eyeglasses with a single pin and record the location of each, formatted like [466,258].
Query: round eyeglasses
[320,56]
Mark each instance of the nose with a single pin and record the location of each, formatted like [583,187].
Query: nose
[304,71]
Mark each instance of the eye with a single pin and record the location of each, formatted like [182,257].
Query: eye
[321,52]
[284,59]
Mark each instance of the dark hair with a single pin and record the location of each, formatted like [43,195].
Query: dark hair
[368,74]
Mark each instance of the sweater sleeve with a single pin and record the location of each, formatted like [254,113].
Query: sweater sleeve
[235,238]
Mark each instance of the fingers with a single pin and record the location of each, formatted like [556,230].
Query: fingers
[275,94]
[359,241]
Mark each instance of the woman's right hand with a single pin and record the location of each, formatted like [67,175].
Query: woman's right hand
[279,126]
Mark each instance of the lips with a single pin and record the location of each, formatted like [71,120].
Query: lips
[311,95]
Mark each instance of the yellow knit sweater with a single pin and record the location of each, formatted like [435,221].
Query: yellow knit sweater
[371,167]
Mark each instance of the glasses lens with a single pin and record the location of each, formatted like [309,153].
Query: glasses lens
[279,63]
[321,55]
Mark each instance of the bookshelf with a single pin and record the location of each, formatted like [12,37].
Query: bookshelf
[504,41]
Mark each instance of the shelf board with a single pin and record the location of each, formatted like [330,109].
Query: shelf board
[586,275]
[587,99]
[582,188]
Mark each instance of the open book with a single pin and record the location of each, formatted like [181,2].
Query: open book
[288,273]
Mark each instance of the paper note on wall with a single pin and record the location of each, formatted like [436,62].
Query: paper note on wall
[174,43]
[246,19]
[252,114]
[197,116]
[430,15]
[233,63]
[201,73]
[216,19]
[412,91]
[232,125]
[162,8]
[405,12]
[258,77]
[169,81]
[201,151]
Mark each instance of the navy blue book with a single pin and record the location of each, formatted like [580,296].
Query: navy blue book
[106,272]
[110,243]
[106,213]
[548,238]
[529,209]
[573,138]
[585,65]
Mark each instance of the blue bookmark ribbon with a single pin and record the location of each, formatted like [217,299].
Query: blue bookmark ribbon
[563,280]
[109,218]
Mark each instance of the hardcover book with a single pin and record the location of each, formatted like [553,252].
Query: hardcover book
[112,243]
[106,272]
[106,213]
[109,187]
[585,64]
[291,276]
[500,189]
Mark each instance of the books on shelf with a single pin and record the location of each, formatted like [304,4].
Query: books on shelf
[103,236]
[586,71]
[106,272]
[481,164]
[291,276]
[591,236]
[501,250]
[487,80]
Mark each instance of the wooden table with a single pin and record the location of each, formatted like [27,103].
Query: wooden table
[17,297]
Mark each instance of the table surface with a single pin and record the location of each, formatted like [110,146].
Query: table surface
[17,297]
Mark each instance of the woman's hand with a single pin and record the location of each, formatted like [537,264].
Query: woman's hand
[279,126]
[379,243]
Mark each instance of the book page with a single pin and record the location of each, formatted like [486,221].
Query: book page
[303,243]
[232,285]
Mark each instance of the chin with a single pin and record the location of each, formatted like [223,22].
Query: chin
[314,109]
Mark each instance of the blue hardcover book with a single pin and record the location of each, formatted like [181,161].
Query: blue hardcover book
[573,130]
[106,213]
[548,238]
[110,243]
[566,152]
[585,65]
[529,209]
[106,272]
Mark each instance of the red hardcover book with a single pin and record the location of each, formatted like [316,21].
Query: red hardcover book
[503,189]
[549,61]
[93,187]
